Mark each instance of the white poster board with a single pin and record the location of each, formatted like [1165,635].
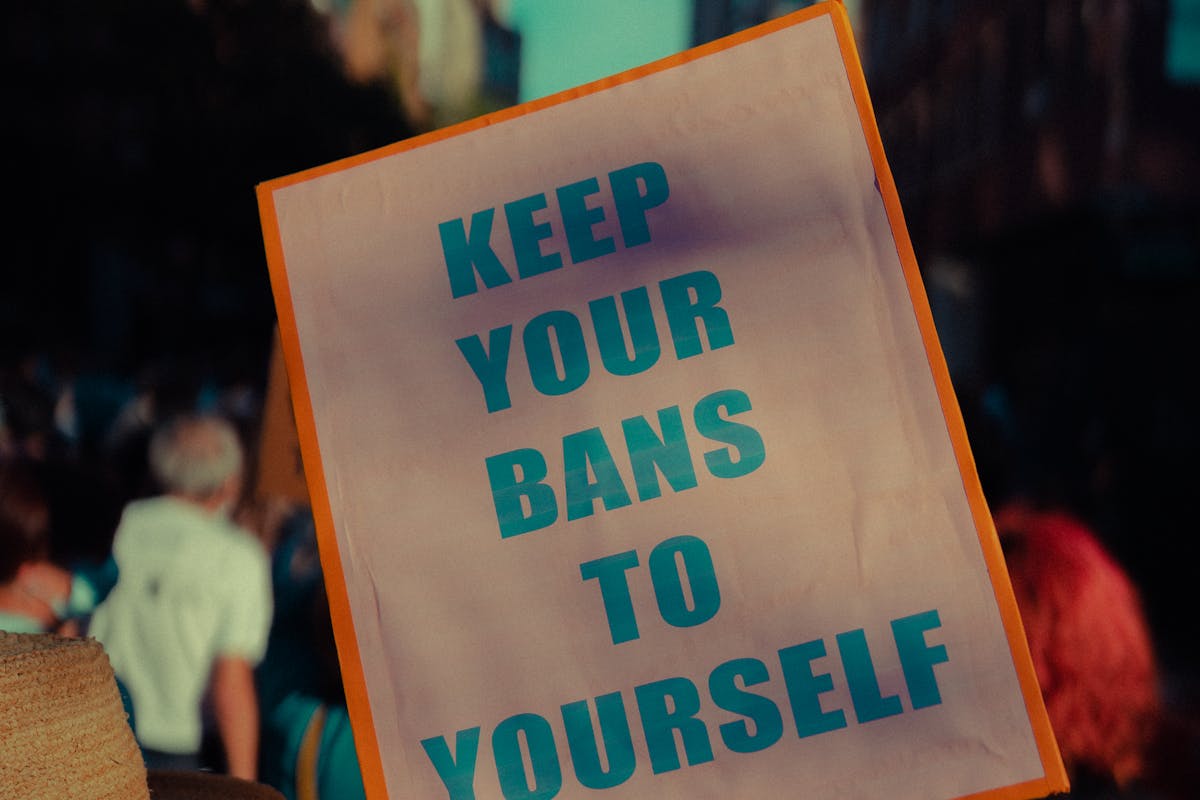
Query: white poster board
[635,463]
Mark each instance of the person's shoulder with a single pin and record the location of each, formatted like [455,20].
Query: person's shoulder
[242,544]
[144,506]
[159,507]
[243,559]
[145,514]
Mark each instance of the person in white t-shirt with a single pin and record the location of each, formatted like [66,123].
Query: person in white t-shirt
[192,609]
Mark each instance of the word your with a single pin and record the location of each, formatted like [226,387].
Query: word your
[526,747]
[687,300]
[525,501]
[635,190]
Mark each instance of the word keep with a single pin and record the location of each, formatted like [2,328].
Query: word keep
[470,254]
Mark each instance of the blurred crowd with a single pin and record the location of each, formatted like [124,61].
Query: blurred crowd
[209,598]
[146,533]
[135,334]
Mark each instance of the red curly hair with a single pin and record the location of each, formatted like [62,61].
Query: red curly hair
[1089,639]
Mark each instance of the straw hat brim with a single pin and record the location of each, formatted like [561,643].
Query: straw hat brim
[182,785]
[64,731]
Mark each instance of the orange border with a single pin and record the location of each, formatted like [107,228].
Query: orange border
[367,744]
[345,638]
[1055,779]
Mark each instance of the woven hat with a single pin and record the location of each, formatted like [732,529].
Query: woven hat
[64,734]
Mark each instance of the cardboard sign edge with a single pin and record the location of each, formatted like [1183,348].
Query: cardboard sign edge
[1055,777]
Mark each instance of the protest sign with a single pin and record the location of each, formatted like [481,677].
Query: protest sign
[635,462]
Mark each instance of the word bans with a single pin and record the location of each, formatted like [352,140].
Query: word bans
[556,350]
[527,748]
[526,502]
[635,190]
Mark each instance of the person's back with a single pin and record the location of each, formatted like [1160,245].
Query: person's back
[192,608]
[177,606]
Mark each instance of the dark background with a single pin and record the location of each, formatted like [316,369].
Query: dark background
[1045,154]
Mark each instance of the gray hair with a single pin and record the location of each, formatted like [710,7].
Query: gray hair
[195,455]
